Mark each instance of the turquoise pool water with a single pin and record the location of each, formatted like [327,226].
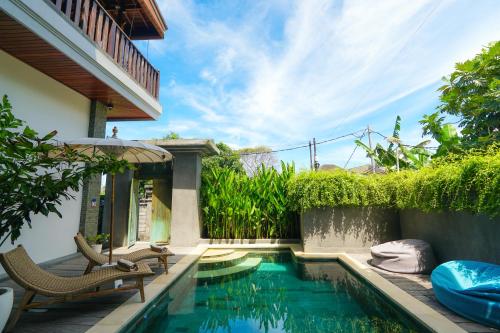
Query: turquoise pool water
[278,295]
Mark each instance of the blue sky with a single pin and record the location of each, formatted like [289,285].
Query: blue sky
[279,73]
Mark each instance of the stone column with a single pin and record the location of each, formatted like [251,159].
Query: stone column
[89,215]
[185,228]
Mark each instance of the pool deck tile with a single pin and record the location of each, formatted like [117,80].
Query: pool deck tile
[106,314]
[420,287]
[80,316]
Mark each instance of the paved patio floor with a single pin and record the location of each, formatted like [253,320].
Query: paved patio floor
[77,316]
[420,287]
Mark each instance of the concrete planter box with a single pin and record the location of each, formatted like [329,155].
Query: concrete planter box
[343,229]
[454,235]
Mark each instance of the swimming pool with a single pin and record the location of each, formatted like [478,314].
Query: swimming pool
[271,292]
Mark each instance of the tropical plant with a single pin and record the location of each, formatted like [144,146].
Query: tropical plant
[235,205]
[472,92]
[36,174]
[97,239]
[397,155]
[445,134]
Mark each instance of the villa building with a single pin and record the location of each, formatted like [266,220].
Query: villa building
[70,65]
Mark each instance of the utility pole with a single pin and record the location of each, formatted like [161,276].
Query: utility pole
[370,145]
[316,164]
[310,155]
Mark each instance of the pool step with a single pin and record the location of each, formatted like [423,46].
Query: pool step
[212,263]
[211,253]
[247,265]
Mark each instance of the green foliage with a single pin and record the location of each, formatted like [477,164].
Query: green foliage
[337,188]
[445,134]
[97,239]
[172,136]
[227,159]
[472,92]
[237,206]
[468,183]
[37,175]
[397,154]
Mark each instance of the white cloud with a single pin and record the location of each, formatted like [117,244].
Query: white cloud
[208,76]
[334,63]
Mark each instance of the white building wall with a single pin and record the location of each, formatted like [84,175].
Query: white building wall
[40,17]
[46,105]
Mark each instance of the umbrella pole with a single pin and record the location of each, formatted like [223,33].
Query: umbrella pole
[112,224]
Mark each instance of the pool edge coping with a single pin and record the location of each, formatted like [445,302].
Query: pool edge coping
[424,314]
[120,317]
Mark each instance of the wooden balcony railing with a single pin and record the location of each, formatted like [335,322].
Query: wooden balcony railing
[99,26]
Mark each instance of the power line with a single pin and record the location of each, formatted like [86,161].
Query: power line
[404,145]
[305,145]
[355,134]
[355,147]
[275,151]
[340,137]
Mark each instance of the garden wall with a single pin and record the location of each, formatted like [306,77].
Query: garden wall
[454,235]
[344,229]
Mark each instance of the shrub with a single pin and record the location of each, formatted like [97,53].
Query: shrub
[467,183]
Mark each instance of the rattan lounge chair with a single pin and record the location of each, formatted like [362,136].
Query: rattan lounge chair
[35,280]
[98,259]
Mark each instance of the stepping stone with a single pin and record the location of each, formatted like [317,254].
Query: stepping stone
[248,265]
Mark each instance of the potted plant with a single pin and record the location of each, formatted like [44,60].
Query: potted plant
[6,301]
[97,241]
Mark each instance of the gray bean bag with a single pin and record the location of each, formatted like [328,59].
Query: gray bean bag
[404,256]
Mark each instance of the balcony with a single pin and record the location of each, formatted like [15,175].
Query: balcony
[85,47]
[97,24]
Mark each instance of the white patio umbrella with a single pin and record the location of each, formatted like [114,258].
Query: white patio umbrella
[131,151]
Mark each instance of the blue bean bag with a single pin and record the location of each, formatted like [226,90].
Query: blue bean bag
[469,288]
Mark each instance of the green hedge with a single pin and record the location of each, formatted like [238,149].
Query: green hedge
[470,183]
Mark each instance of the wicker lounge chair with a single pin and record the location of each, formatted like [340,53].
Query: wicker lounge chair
[98,259]
[35,280]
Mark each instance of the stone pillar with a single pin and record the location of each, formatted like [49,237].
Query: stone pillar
[89,215]
[186,217]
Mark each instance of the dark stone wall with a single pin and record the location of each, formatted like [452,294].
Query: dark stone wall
[454,235]
[343,229]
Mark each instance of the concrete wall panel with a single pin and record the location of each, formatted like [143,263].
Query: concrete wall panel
[454,235]
[344,229]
